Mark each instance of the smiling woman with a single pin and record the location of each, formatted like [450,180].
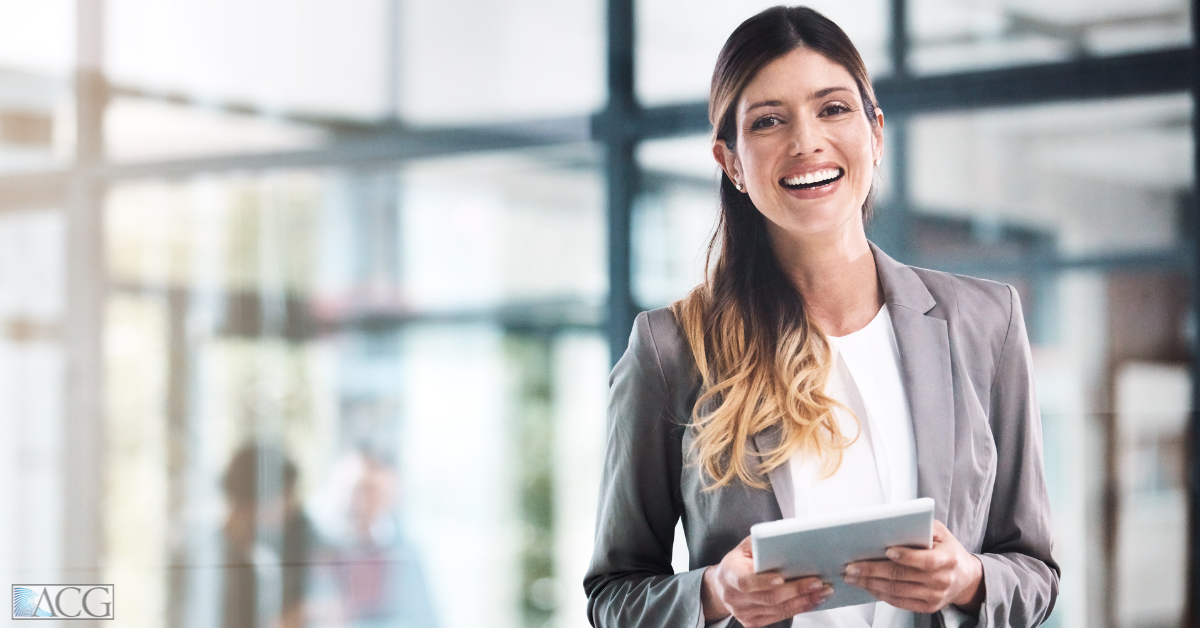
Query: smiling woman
[780,116]
[810,374]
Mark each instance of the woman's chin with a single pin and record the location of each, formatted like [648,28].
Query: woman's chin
[812,230]
[811,219]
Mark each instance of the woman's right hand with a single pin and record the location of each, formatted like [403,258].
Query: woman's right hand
[732,588]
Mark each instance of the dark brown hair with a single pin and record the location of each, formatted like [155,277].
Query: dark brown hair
[766,37]
[764,362]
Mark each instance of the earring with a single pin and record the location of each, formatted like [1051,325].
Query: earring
[741,187]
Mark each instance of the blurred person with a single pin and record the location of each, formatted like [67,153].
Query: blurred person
[380,579]
[269,541]
[812,374]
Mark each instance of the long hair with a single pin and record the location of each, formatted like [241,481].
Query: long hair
[764,362]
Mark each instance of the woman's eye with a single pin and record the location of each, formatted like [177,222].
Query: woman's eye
[764,122]
[834,109]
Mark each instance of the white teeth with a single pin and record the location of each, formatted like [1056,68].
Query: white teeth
[813,177]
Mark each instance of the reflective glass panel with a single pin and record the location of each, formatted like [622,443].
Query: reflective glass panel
[949,35]
[33,371]
[1019,195]
[38,36]
[483,60]
[328,391]
[673,218]
[677,45]
[143,129]
[37,125]
[429,62]
[37,64]
[313,56]
[1095,178]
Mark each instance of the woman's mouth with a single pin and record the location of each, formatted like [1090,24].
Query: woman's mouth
[814,179]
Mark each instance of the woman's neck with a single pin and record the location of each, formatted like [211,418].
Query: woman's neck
[835,275]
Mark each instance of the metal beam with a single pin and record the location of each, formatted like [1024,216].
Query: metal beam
[1192,611]
[387,144]
[1161,72]
[1051,264]
[241,314]
[899,37]
[653,122]
[1142,74]
[381,148]
[1109,77]
[891,225]
[616,127]
[83,477]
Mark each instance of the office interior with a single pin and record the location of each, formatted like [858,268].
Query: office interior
[400,243]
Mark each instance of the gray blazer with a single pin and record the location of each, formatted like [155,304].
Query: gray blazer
[967,369]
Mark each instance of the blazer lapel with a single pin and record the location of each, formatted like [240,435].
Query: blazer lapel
[924,345]
[781,476]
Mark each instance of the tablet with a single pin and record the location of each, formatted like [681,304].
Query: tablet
[823,545]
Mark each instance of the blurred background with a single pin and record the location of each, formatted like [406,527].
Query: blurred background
[307,307]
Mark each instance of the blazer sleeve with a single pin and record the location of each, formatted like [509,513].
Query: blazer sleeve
[1019,573]
[631,582]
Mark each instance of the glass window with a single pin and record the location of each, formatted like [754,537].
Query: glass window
[1002,193]
[673,219]
[677,46]
[36,121]
[143,129]
[37,61]
[38,36]
[480,231]
[430,62]
[316,330]
[1096,177]
[1153,401]
[314,56]
[483,60]
[950,35]
[32,378]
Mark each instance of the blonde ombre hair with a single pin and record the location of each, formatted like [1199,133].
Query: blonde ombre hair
[763,361]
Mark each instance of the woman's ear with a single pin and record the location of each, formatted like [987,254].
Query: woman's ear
[877,132]
[729,162]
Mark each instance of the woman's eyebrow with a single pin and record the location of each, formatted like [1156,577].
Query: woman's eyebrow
[765,103]
[827,91]
[821,93]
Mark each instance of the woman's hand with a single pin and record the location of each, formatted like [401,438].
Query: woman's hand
[924,581]
[732,588]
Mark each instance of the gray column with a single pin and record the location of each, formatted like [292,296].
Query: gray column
[616,127]
[83,418]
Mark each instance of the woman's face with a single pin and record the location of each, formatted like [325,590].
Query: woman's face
[805,151]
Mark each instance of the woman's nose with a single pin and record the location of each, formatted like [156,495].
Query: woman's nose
[805,139]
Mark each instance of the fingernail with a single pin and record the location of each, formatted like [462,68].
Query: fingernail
[852,570]
[827,592]
[893,554]
[816,585]
[851,580]
[777,581]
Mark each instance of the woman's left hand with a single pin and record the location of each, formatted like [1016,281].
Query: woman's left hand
[924,581]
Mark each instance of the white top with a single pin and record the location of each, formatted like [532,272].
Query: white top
[879,467]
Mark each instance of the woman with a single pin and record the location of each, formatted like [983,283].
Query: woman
[811,373]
